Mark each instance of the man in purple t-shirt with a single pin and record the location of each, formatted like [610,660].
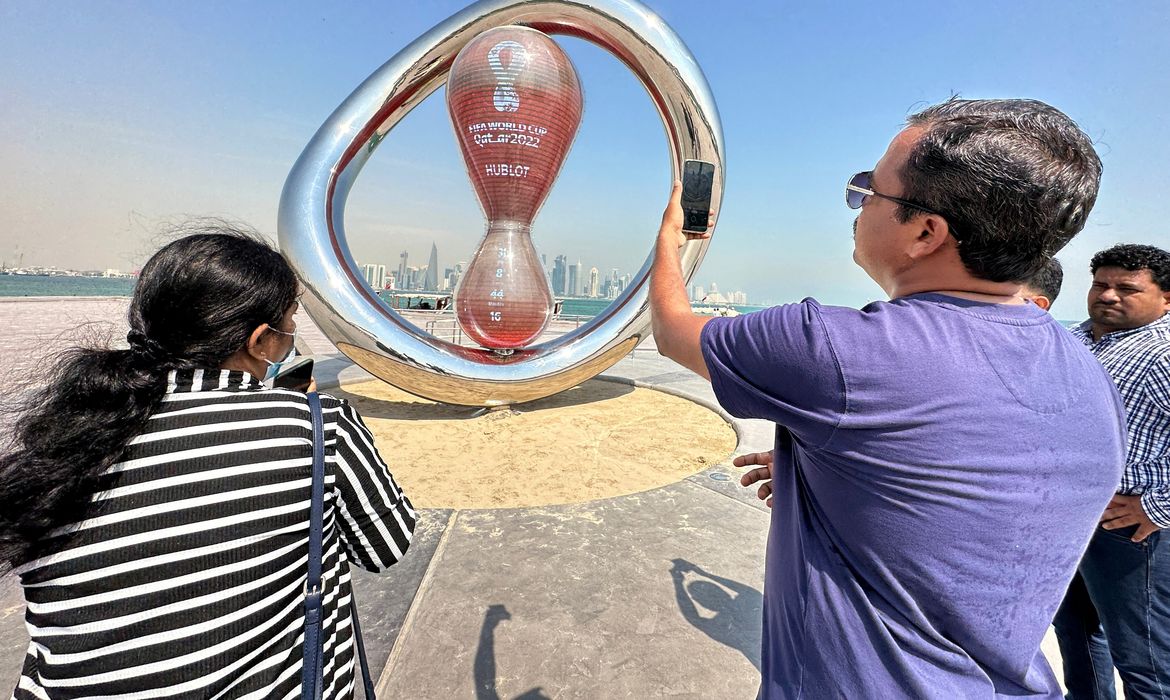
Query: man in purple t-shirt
[941,459]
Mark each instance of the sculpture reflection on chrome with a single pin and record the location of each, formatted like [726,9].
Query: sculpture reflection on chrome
[312,206]
[515,102]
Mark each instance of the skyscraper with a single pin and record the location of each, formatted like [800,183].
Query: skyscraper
[594,283]
[375,275]
[457,274]
[559,275]
[431,280]
[403,280]
[609,288]
[574,288]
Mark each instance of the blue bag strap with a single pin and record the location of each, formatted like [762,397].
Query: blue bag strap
[361,650]
[311,671]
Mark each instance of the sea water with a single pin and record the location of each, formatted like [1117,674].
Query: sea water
[62,286]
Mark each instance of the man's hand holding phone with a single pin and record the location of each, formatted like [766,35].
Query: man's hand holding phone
[688,214]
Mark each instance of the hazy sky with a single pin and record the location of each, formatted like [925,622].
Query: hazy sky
[117,118]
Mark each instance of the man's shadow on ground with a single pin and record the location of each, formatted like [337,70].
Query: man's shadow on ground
[485,659]
[737,608]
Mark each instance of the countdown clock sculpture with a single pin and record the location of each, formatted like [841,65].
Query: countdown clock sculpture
[508,369]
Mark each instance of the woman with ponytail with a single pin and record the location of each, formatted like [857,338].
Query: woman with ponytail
[154,501]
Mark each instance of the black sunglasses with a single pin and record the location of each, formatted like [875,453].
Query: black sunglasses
[859,188]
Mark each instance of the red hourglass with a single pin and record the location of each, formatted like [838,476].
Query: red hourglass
[515,101]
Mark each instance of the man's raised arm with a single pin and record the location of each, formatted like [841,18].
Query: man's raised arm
[676,327]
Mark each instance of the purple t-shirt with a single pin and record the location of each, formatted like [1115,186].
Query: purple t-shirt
[940,466]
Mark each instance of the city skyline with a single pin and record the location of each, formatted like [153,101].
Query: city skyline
[567,280]
[54,271]
[378,277]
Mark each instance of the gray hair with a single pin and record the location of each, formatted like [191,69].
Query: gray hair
[1015,180]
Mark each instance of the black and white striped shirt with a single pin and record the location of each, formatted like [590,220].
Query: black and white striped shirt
[185,579]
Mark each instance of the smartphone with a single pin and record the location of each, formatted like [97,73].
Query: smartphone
[698,178]
[295,375]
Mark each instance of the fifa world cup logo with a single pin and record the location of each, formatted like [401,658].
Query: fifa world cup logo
[505,98]
[515,102]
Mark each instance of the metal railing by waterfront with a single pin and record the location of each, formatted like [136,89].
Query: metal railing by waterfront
[444,326]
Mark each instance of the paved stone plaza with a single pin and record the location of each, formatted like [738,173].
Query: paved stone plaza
[653,594]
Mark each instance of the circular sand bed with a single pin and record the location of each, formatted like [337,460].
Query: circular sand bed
[597,440]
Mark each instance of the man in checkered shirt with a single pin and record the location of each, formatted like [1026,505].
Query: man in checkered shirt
[1117,610]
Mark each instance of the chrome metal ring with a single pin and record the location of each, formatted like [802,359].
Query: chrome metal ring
[365,328]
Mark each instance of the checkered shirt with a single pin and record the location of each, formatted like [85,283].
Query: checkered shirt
[1139,362]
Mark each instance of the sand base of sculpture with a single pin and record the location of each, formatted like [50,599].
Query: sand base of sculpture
[598,440]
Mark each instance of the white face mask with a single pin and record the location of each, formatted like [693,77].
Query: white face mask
[274,367]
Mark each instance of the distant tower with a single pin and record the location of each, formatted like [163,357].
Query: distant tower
[375,275]
[431,280]
[402,283]
[594,282]
[559,275]
[574,286]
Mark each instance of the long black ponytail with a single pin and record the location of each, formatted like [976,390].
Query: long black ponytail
[196,303]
